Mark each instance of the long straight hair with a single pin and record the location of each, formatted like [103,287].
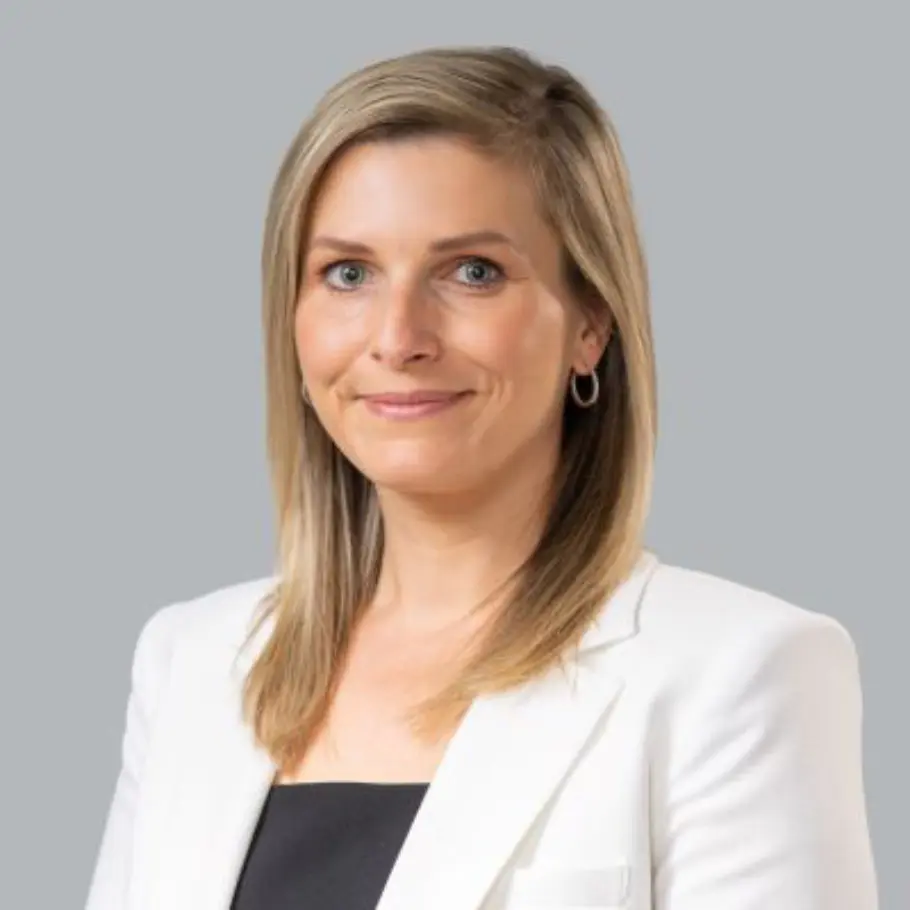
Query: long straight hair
[330,536]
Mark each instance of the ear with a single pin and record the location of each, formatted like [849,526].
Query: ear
[592,335]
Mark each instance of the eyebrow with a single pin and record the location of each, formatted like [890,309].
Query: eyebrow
[437,246]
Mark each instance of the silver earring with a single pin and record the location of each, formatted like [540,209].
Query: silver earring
[305,393]
[595,390]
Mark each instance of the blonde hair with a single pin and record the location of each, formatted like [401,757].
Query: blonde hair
[508,104]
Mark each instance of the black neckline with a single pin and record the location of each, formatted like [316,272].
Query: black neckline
[373,784]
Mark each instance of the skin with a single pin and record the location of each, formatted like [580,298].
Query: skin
[462,490]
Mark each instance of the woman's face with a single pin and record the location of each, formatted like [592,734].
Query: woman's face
[434,328]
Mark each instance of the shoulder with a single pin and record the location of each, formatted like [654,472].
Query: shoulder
[216,617]
[703,632]
[701,606]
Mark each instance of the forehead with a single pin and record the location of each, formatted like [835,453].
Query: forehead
[422,188]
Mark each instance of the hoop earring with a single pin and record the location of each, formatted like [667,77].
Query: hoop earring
[595,390]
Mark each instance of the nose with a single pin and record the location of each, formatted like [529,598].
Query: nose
[404,329]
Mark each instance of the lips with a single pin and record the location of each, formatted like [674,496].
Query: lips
[412,405]
[412,398]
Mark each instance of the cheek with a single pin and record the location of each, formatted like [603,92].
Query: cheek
[524,346]
[325,346]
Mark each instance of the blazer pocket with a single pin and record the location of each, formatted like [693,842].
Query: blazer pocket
[563,886]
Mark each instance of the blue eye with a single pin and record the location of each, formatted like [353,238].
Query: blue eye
[479,273]
[478,269]
[352,272]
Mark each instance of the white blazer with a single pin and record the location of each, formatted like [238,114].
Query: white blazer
[703,753]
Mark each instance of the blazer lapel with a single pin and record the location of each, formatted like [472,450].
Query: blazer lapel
[499,769]
[508,755]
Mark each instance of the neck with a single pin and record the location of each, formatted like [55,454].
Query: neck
[445,554]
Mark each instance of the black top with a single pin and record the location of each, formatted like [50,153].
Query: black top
[326,845]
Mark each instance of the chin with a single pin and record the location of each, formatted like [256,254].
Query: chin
[416,472]
[417,481]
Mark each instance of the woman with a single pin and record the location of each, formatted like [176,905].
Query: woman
[468,685]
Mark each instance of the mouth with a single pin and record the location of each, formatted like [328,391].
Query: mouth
[412,405]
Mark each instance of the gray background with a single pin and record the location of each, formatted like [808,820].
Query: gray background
[768,147]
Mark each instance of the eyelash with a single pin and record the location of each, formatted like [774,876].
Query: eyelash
[501,274]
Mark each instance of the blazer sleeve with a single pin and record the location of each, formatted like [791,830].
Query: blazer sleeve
[151,657]
[760,800]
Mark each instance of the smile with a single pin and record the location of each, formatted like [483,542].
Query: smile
[412,405]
